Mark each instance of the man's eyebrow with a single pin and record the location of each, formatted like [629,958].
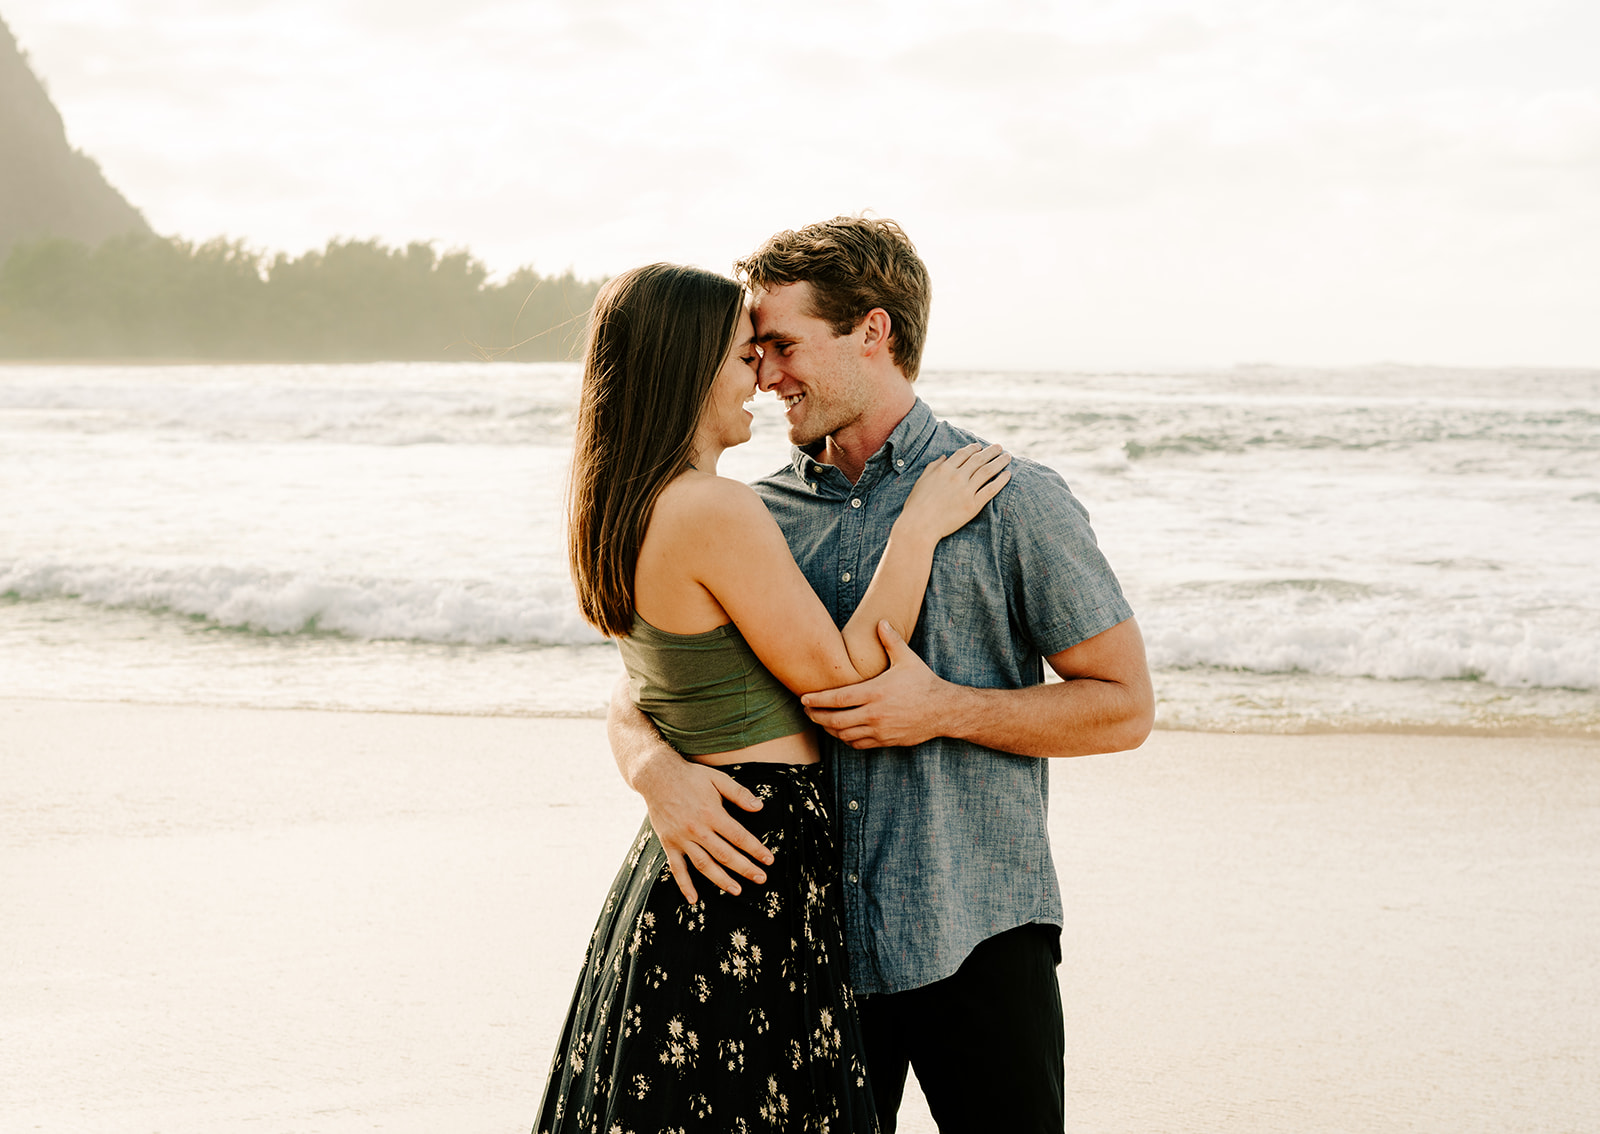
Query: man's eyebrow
[768,336]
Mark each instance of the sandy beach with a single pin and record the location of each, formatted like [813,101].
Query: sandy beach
[323,923]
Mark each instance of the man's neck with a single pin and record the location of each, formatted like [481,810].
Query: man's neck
[852,447]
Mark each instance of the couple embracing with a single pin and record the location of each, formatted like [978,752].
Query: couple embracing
[845,871]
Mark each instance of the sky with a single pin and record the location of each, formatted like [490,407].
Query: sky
[1129,183]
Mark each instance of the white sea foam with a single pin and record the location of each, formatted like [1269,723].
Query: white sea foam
[1393,637]
[1280,629]
[273,602]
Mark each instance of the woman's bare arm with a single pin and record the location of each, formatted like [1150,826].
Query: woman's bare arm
[748,569]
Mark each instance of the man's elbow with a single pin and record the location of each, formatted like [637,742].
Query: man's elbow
[1136,729]
[1130,727]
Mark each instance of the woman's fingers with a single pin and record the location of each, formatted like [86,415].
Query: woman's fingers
[991,462]
[979,464]
[954,488]
[992,489]
[990,456]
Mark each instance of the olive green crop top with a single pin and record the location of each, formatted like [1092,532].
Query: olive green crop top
[707,692]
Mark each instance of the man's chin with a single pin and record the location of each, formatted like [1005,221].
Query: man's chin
[808,428]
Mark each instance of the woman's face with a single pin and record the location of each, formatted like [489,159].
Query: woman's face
[725,422]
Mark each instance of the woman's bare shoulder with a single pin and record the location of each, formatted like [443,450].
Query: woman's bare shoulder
[697,498]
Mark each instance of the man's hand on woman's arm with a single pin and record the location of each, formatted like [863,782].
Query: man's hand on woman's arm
[686,803]
[1103,703]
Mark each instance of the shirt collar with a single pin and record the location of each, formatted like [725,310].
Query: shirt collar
[905,443]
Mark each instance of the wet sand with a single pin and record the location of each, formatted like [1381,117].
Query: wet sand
[219,919]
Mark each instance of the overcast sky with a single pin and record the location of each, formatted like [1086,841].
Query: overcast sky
[1092,184]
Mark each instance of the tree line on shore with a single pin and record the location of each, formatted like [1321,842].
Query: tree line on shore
[149,297]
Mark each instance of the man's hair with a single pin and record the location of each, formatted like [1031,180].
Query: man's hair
[853,264]
[658,335]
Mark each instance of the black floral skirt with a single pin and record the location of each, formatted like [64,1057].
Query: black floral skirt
[731,1015]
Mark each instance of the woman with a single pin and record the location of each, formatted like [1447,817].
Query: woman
[733,1013]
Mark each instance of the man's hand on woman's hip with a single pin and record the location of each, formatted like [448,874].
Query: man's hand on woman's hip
[686,809]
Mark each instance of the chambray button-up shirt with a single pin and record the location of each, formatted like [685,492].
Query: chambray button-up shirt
[945,844]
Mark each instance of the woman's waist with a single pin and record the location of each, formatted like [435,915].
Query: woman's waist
[796,748]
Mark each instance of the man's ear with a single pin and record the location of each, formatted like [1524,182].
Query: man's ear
[878,328]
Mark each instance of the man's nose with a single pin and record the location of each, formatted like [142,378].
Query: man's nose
[767,374]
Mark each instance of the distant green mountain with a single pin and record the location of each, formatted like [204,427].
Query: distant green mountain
[47,188]
[82,277]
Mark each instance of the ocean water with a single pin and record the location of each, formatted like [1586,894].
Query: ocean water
[1383,547]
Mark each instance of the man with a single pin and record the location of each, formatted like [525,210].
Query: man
[952,907]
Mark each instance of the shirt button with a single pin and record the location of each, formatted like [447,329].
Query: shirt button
[854,806]
[853,878]
[899,464]
[812,485]
[856,503]
[845,578]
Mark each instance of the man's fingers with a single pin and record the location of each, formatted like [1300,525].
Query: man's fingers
[705,864]
[681,875]
[724,852]
[893,645]
[734,832]
[849,729]
[835,719]
[735,792]
[738,840]
[844,697]
[715,857]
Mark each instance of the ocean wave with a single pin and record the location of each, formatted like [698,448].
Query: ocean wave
[1536,437]
[371,405]
[288,603]
[1334,629]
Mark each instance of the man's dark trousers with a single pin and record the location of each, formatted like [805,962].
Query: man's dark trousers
[987,1043]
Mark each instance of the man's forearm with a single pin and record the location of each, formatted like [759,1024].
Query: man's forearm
[1079,717]
[636,745]
[1103,703]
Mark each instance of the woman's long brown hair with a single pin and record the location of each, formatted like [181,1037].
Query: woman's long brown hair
[657,337]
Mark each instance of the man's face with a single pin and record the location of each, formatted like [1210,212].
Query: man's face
[817,374]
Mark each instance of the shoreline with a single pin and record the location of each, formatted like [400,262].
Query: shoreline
[1509,732]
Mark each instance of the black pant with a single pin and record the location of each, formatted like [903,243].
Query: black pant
[987,1043]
